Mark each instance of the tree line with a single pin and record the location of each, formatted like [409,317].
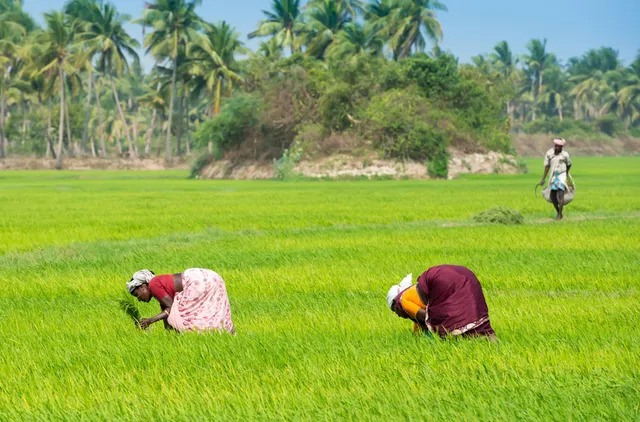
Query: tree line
[328,75]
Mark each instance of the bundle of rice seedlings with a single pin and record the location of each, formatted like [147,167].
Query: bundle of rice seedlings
[128,305]
[499,215]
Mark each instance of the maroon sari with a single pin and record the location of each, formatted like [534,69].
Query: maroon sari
[455,303]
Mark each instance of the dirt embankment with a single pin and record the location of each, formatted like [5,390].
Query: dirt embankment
[346,166]
[31,163]
[537,145]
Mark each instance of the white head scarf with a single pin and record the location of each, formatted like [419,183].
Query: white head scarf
[559,141]
[139,278]
[395,289]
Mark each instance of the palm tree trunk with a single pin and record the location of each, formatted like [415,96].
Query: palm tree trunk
[72,147]
[216,98]
[87,115]
[167,143]
[2,111]
[50,148]
[186,126]
[147,141]
[25,124]
[179,125]
[132,151]
[61,121]
[103,148]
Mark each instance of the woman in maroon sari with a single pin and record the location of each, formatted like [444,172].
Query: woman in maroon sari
[447,300]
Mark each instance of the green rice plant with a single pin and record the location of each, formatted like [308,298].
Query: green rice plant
[307,265]
[128,306]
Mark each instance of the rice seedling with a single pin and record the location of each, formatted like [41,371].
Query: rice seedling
[307,265]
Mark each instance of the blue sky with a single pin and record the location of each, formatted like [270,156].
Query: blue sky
[470,27]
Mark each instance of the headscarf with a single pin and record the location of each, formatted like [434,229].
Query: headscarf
[139,278]
[397,288]
[559,141]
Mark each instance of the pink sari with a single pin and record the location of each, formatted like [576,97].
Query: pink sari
[202,304]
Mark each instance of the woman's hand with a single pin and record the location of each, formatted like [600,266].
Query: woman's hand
[144,323]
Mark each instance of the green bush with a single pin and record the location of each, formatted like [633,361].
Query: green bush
[335,106]
[285,164]
[609,124]
[200,163]
[229,128]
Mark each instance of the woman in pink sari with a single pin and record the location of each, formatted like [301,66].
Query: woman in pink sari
[194,300]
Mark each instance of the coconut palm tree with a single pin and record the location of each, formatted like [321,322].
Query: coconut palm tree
[411,23]
[554,92]
[58,41]
[81,11]
[629,94]
[506,63]
[107,40]
[325,19]
[353,40]
[353,8]
[536,63]
[284,23]
[213,63]
[174,24]
[15,25]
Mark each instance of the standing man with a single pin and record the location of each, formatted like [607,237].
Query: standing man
[557,163]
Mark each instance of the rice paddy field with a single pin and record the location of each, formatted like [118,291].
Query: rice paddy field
[307,265]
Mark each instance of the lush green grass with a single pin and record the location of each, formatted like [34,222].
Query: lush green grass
[307,266]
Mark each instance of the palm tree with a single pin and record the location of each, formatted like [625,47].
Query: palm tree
[354,40]
[213,61]
[58,41]
[537,61]
[174,24]
[284,23]
[353,8]
[506,63]
[81,11]
[504,58]
[555,89]
[326,19]
[109,42]
[14,27]
[629,95]
[410,23]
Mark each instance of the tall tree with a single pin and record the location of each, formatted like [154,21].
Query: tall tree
[411,23]
[354,40]
[325,19]
[174,24]
[213,62]
[536,63]
[284,22]
[110,44]
[58,42]
[506,62]
[15,25]
[629,95]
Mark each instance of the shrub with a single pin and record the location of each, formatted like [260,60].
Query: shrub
[285,164]
[201,162]
[499,215]
[229,128]
[335,106]
[609,124]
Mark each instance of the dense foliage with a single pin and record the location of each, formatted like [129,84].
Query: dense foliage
[325,79]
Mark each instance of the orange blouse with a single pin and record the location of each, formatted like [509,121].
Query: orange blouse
[410,301]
